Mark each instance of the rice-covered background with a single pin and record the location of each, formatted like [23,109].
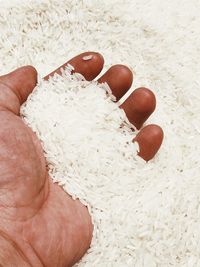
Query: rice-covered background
[160,42]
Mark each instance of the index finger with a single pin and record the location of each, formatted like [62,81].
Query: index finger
[88,64]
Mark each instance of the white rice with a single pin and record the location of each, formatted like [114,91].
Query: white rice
[87,57]
[160,41]
[90,155]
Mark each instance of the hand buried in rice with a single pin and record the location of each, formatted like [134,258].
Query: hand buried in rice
[41,225]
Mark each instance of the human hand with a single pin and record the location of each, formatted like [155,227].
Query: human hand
[40,224]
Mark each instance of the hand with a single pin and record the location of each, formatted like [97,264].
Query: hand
[40,225]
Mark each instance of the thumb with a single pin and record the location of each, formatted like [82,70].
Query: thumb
[21,82]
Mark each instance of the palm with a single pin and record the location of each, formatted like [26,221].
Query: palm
[43,220]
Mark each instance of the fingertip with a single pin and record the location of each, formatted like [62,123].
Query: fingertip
[21,81]
[89,64]
[99,58]
[139,106]
[30,72]
[149,140]
[119,78]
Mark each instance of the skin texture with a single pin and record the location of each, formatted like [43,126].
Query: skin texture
[40,225]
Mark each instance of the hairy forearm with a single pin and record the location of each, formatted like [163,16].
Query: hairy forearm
[10,254]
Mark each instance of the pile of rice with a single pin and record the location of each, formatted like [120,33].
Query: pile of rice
[92,156]
[153,218]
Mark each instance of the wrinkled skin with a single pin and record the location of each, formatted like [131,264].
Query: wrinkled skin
[38,219]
